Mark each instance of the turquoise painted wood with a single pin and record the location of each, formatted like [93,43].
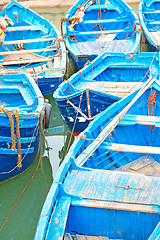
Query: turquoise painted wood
[32,45]
[149,11]
[19,92]
[104,26]
[109,184]
[102,82]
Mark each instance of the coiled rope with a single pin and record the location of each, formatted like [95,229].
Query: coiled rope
[9,115]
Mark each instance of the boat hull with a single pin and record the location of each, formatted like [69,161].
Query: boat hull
[102,82]
[77,122]
[48,85]
[32,45]
[111,202]
[21,120]
[9,158]
[149,19]
[84,41]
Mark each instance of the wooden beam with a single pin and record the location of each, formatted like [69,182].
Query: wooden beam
[116,205]
[141,119]
[25,61]
[28,41]
[27,51]
[132,148]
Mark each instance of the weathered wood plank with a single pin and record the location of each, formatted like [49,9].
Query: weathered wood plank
[145,165]
[115,205]
[45,59]
[28,41]
[27,51]
[133,148]
[117,88]
[87,237]
[141,119]
[22,28]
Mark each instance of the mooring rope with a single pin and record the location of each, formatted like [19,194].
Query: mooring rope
[41,127]
[34,134]
[9,115]
[16,114]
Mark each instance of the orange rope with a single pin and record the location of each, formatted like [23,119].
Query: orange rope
[151,104]
[151,101]
[21,194]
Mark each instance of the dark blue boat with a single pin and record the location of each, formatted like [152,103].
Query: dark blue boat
[31,44]
[98,26]
[108,186]
[21,113]
[101,83]
[149,11]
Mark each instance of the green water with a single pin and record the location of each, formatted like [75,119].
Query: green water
[22,222]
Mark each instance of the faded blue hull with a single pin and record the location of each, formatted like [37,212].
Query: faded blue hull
[104,70]
[149,19]
[74,121]
[21,113]
[42,53]
[48,85]
[105,27]
[30,143]
[107,190]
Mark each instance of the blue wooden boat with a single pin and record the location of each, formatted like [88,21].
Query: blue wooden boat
[31,44]
[21,112]
[99,84]
[149,11]
[93,27]
[109,183]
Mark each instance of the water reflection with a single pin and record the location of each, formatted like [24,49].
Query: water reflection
[52,151]
[22,222]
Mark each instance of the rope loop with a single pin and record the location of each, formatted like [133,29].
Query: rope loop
[9,115]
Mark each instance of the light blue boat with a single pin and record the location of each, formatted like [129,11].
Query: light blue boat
[108,186]
[22,110]
[32,44]
[102,82]
[94,27]
[149,11]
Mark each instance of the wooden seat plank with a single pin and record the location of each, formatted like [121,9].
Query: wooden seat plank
[27,51]
[140,119]
[145,165]
[28,41]
[87,237]
[25,28]
[116,88]
[132,148]
[100,32]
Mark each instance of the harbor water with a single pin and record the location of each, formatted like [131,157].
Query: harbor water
[19,214]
